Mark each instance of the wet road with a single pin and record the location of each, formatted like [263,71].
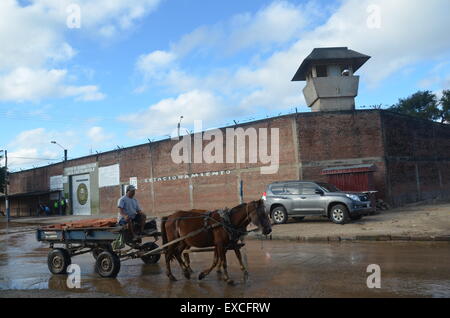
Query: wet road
[277,269]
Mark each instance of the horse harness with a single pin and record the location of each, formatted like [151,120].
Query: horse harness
[235,233]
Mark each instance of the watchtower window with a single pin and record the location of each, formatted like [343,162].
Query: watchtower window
[321,71]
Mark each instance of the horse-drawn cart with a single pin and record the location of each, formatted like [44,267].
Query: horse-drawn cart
[109,246]
[182,232]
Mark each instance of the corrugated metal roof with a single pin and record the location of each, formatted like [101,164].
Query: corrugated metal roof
[29,194]
[349,169]
[330,54]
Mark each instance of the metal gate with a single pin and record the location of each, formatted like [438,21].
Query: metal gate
[81,195]
[353,178]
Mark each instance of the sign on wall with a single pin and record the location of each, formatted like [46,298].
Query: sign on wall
[56,183]
[189,176]
[88,168]
[134,182]
[109,176]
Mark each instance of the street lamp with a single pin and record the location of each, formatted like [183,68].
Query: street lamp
[179,126]
[65,150]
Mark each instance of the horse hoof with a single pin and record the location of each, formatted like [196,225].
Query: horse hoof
[201,276]
[230,282]
[172,278]
[187,274]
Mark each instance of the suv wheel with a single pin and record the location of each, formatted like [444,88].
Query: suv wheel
[279,215]
[339,214]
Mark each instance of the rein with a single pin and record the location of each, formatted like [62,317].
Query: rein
[228,227]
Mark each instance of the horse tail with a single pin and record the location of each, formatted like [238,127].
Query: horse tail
[163,230]
[168,250]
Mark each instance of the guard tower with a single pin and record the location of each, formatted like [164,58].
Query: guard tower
[330,81]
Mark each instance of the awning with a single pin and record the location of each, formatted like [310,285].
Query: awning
[29,194]
[349,169]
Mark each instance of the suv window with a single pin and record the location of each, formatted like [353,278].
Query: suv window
[309,188]
[292,188]
[277,189]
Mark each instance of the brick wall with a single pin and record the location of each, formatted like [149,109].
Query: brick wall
[411,158]
[418,158]
[341,139]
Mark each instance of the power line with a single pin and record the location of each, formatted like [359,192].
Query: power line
[45,117]
[28,158]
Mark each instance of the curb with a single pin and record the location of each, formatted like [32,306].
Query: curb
[357,238]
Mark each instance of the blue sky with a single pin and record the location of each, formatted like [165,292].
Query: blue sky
[134,67]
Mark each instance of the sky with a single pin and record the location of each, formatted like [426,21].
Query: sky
[95,75]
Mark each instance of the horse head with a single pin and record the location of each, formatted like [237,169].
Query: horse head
[259,217]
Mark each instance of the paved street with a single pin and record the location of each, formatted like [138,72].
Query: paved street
[277,269]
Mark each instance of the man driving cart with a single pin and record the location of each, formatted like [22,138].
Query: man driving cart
[130,213]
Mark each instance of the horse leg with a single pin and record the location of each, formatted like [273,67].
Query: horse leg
[183,266]
[187,261]
[223,254]
[169,256]
[207,271]
[219,264]
[241,263]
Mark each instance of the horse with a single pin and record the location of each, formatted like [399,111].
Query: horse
[221,229]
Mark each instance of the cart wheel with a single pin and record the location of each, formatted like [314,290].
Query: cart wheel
[58,260]
[150,259]
[107,264]
[97,251]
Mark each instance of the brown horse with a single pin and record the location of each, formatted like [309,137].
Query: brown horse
[220,229]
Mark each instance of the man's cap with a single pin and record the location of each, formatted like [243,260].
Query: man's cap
[131,188]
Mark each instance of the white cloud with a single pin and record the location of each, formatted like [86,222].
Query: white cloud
[114,15]
[29,37]
[98,136]
[162,118]
[437,79]
[274,24]
[24,84]
[411,32]
[33,147]
[150,62]
[103,17]
[33,43]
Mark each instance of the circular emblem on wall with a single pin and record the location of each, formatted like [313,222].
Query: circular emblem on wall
[82,194]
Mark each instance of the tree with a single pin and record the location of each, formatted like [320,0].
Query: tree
[445,106]
[423,104]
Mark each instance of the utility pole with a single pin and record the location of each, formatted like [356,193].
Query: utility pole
[8,216]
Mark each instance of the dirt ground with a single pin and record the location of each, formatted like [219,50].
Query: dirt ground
[415,221]
[277,269]
[282,267]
